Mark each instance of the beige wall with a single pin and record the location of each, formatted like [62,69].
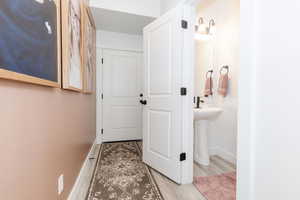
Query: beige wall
[222,50]
[44,132]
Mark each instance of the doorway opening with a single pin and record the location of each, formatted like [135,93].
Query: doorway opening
[216,42]
[122,86]
[177,62]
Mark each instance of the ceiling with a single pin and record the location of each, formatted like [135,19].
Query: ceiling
[120,22]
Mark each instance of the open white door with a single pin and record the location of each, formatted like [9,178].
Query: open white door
[162,115]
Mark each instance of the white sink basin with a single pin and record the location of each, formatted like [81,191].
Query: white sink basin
[206,113]
[201,117]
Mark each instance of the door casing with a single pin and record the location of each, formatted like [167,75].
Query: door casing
[122,85]
[99,91]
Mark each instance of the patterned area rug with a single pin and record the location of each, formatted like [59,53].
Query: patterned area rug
[219,187]
[121,175]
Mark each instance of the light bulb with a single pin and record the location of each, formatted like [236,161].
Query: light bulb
[202,37]
[212,30]
[212,27]
[202,28]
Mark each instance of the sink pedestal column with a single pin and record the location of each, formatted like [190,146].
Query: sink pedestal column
[201,154]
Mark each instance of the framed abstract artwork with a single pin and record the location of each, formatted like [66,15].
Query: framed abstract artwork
[30,42]
[72,44]
[89,51]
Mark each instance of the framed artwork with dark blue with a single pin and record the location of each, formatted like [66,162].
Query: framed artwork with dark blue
[30,42]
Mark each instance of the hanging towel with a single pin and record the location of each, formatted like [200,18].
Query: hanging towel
[223,85]
[208,87]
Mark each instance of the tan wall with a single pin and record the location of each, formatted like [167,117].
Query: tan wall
[44,132]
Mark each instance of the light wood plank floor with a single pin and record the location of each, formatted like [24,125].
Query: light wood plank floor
[169,189]
[173,191]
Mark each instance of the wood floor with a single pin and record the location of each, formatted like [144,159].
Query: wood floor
[171,190]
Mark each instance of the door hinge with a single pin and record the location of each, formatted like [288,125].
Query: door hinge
[184,24]
[183,91]
[102,131]
[102,61]
[182,157]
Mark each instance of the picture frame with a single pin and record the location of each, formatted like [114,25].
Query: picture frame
[72,19]
[88,50]
[34,58]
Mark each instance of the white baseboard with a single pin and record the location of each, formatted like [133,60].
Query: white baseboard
[200,161]
[80,188]
[212,151]
[223,154]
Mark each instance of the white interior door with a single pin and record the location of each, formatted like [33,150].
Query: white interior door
[122,111]
[162,118]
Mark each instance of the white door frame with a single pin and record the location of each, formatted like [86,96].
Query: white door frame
[99,102]
[121,133]
[99,89]
[188,81]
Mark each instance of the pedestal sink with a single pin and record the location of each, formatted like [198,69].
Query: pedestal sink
[202,116]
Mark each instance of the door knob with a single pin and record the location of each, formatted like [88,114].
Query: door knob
[143,102]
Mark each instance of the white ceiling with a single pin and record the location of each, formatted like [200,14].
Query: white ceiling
[150,8]
[120,22]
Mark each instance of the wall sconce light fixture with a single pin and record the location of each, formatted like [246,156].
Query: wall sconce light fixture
[203,31]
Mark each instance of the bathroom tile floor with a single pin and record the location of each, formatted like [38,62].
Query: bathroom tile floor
[173,191]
